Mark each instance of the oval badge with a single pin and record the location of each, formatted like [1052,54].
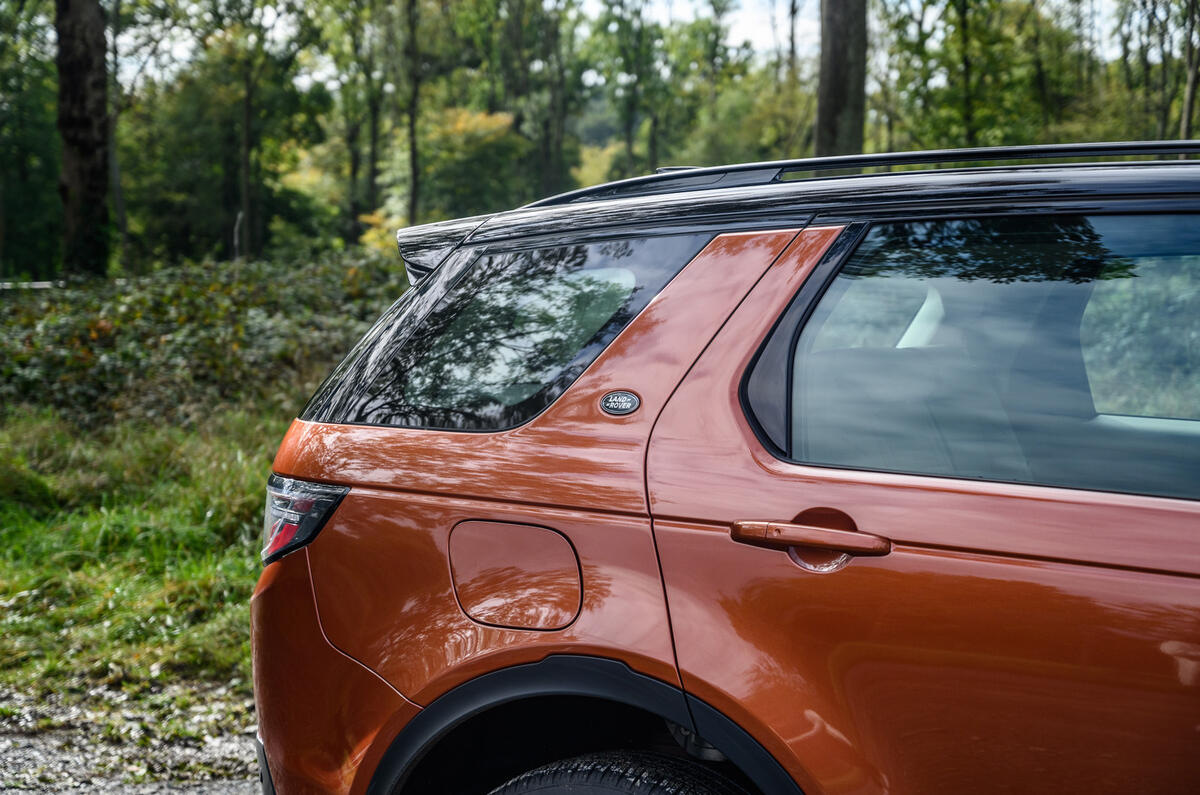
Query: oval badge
[620,403]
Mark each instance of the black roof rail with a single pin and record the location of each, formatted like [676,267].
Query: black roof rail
[675,180]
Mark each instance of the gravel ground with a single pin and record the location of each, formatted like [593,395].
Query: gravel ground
[172,738]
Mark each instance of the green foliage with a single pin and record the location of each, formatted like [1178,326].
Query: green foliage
[129,547]
[524,59]
[474,164]
[297,117]
[179,150]
[999,72]
[137,556]
[170,345]
[752,118]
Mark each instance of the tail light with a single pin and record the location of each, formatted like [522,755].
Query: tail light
[296,511]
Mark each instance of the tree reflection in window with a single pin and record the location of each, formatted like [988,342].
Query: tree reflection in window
[516,330]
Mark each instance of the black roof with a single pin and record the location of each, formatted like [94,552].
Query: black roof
[760,195]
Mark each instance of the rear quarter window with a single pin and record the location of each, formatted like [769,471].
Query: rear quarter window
[505,337]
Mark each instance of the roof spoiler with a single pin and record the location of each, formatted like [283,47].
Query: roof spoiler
[423,248]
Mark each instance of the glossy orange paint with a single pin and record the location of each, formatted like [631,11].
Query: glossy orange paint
[573,454]
[320,713]
[1012,638]
[381,567]
[515,575]
[398,614]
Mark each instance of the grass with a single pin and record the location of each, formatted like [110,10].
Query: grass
[138,421]
[128,555]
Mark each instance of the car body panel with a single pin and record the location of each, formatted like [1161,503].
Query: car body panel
[381,566]
[594,459]
[1012,632]
[321,715]
[383,582]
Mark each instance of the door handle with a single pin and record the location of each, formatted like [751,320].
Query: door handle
[781,535]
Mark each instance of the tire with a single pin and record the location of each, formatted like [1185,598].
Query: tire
[620,773]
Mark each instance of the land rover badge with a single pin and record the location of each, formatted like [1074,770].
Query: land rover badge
[620,403]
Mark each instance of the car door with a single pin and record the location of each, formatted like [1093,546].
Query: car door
[926,508]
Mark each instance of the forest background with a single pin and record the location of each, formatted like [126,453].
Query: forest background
[208,192]
[326,124]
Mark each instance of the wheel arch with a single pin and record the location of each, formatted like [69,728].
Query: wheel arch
[604,680]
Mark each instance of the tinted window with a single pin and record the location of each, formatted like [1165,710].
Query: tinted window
[1053,350]
[1141,335]
[510,335]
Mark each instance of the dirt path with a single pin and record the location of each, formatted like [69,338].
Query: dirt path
[178,738]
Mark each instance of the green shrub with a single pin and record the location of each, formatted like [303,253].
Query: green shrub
[167,346]
[138,420]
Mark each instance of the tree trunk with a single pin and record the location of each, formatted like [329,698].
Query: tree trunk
[1146,35]
[1166,86]
[968,98]
[793,12]
[412,19]
[558,104]
[242,244]
[653,153]
[114,115]
[350,231]
[82,125]
[374,111]
[1039,70]
[841,88]
[1193,70]
[3,269]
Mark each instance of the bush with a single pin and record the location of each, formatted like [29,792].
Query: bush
[170,345]
[129,549]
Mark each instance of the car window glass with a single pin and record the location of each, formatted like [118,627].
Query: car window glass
[875,313]
[513,332]
[1137,332]
[1000,348]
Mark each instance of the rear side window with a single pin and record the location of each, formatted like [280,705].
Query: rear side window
[504,338]
[1059,350]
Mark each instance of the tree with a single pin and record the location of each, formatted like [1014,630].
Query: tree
[353,37]
[30,209]
[182,148]
[841,90]
[83,127]
[136,30]
[523,59]
[1192,66]
[412,51]
[628,48]
[990,73]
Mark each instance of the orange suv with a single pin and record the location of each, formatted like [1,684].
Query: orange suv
[723,481]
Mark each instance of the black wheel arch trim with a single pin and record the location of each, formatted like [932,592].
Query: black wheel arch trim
[572,675]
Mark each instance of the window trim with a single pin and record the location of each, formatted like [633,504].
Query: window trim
[798,311]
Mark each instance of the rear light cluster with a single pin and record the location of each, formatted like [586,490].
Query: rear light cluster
[296,511]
